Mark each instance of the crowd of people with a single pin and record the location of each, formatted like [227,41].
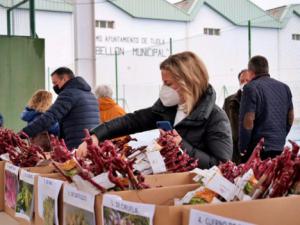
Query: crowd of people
[261,108]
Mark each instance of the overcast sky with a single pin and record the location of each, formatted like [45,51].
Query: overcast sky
[266,4]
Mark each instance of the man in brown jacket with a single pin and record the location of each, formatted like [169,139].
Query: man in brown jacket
[232,109]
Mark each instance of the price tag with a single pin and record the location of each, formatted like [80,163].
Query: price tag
[157,162]
[205,175]
[143,166]
[198,217]
[103,180]
[5,157]
[222,186]
[115,209]
[240,184]
[188,196]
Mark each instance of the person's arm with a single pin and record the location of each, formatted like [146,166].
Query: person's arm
[226,106]
[131,123]
[54,129]
[218,142]
[57,111]
[247,117]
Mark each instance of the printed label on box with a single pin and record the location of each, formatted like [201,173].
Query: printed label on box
[26,176]
[117,211]
[25,197]
[78,198]
[11,185]
[78,206]
[198,217]
[48,191]
[12,168]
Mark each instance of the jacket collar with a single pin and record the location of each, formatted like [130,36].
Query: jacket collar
[204,106]
[236,97]
[261,76]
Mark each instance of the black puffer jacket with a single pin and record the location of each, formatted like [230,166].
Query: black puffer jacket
[205,132]
[76,108]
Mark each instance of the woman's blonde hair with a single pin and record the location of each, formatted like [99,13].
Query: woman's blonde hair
[191,75]
[40,101]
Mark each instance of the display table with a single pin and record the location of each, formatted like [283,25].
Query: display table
[7,220]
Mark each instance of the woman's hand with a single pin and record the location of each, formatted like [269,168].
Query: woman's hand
[177,138]
[82,149]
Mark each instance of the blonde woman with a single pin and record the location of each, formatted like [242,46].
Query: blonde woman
[39,103]
[187,101]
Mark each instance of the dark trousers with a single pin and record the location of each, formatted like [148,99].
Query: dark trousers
[263,155]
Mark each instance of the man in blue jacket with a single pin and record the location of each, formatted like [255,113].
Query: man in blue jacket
[75,108]
[266,111]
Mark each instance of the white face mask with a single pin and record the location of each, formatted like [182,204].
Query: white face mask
[242,86]
[168,96]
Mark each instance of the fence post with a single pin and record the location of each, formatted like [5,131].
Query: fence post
[116,70]
[249,39]
[8,23]
[171,46]
[32,18]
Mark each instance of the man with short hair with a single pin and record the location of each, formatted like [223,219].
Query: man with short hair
[232,109]
[75,108]
[266,111]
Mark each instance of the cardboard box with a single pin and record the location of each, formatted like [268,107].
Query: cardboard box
[37,219]
[170,179]
[42,169]
[276,211]
[38,170]
[2,163]
[158,181]
[7,220]
[165,212]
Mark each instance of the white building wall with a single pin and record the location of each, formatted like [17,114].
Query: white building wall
[2,21]
[289,59]
[139,74]
[225,55]
[265,43]
[57,30]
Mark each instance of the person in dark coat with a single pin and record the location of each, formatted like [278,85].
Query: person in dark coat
[188,102]
[232,109]
[29,115]
[1,120]
[38,104]
[266,111]
[75,108]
